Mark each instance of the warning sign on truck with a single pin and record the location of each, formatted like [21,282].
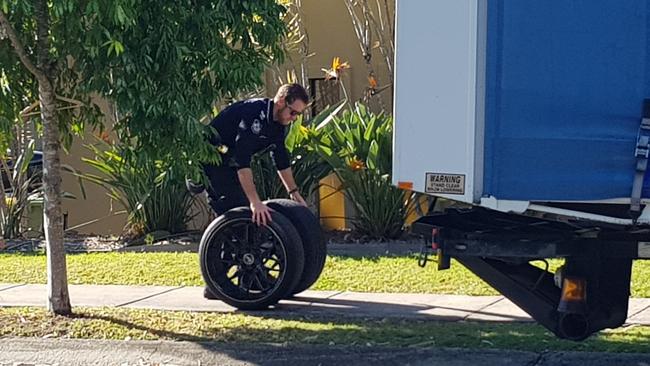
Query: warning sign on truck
[445,183]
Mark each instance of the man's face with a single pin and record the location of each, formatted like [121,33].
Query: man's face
[289,112]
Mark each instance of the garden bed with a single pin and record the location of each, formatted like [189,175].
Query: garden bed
[339,242]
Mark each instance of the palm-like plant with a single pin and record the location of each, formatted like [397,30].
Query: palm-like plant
[152,192]
[21,184]
[358,147]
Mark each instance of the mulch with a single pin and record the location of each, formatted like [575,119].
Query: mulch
[73,244]
[80,243]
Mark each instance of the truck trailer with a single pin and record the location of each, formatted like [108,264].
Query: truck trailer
[536,116]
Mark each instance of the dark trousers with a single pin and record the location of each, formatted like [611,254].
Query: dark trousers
[225,191]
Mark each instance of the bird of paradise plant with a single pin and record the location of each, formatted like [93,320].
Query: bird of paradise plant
[358,148]
[336,72]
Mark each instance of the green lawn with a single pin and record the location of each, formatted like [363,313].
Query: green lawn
[120,324]
[377,274]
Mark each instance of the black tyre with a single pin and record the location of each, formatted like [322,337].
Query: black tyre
[247,266]
[310,232]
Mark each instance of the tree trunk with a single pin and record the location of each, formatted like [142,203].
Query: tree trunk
[58,299]
[3,207]
[57,278]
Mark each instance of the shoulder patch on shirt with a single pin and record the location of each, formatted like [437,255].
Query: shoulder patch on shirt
[256,127]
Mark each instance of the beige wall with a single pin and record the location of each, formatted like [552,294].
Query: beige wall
[96,213]
[331,34]
[95,210]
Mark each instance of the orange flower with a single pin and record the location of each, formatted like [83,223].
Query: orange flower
[356,165]
[338,66]
[337,69]
[104,136]
[372,82]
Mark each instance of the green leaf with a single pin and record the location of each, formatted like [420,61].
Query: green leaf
[373,155]
[119,48]
[370,129]
[23,160]
[119,14]
[293,136]
[327,115]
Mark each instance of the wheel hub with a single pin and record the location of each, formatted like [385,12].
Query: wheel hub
[248,259]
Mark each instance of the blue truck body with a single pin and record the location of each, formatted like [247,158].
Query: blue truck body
[565,84]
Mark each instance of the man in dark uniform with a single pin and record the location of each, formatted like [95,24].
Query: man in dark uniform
[243,129]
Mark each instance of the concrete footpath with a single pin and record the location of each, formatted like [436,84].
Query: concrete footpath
[323,303]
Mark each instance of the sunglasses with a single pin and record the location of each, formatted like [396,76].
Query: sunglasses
[293,112]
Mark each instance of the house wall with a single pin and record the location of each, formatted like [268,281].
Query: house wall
[97,213]
[331,34]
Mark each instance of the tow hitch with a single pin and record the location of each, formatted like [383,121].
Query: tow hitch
[433,247]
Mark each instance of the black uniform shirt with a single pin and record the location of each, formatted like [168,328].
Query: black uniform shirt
[247,127]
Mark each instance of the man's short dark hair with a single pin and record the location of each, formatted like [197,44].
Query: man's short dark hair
[292,92]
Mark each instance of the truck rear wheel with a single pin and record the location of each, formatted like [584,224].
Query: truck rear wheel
[248,266]
[309,229]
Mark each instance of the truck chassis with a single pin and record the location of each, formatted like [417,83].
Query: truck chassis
[588,293]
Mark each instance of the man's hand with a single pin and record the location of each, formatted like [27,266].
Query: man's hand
[298,198]
[261,213]
[290,184]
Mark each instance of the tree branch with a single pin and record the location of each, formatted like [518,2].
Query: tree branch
[18,47]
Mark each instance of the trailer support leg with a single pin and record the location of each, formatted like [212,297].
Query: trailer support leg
[529,287]
[534,291]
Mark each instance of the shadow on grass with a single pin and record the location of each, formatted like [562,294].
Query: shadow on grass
[164,334]
[300,330]
[376,308]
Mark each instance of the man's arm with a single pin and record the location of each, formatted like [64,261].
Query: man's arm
[286,175]
[261,213]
